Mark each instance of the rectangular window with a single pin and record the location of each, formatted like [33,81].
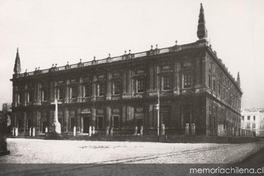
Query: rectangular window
[242,118]
[74,92]
[117,87]
[72,122]
[99,122]
[254,118]
[253,125]
[209,81]
[87,91]
[60,93]
[248,117]
[44,95]
[31,96]
[19,97]
[187,80]
[166,83]
[214,85]
[101,89]
[140,85]
[116,121]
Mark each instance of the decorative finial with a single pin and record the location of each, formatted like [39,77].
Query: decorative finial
[125,51]
[17,66]
[202,31]
[94,57]
[38,68]
[67,62]
[55,65]
[151,47]
[26,71]
[238,79]
[129,51]
[176,42]
[52,65]
[109,55]
[80,60]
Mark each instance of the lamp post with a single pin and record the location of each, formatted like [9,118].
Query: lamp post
[56,124]
[158,114]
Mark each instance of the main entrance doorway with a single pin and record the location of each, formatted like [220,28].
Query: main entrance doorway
[86,123]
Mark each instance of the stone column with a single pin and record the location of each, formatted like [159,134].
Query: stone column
[93,117]
[108,86]
[108,117]
[129,82]
[25,121]
[80,90]
[124,83]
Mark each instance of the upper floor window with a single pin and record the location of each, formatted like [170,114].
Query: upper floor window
[116,87]
[19,97]
[166,82]
[73,92]
[214,85]
[140,84]
[243,118]
[187,80]
[209,81]
[248,117]
[253,125]
[44,94]
[87,90]
[101,89]
[254,118]
[60,93]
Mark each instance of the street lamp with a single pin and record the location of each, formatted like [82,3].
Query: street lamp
[158,114]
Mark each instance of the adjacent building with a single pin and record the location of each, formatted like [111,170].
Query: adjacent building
[186,89]
[253,120]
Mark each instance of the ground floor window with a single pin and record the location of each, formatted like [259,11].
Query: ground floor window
[99,122]
[116,123]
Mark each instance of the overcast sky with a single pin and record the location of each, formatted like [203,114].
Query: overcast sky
[57,31]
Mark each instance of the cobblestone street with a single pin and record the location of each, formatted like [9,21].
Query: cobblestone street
[82,155]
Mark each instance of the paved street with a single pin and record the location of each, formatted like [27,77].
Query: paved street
[97,154]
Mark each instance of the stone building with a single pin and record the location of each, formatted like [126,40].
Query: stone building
[186,89]
[253,120]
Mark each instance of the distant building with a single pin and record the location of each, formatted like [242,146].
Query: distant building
[194,91]
[253,120]
[7,113]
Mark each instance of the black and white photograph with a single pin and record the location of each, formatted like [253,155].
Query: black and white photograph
[131,87]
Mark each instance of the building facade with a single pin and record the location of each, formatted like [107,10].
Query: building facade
[253,120]
[186,89]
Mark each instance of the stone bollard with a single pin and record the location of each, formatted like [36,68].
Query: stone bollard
[111,131]
[136,129]
[74,131]
[90,131]
[33,132]
[107,130]
[141,130]
[162,129]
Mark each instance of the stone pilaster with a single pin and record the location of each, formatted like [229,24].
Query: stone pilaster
[78,120]
[108,121]
[66,120]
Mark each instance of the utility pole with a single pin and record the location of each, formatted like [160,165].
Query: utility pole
[158,115]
